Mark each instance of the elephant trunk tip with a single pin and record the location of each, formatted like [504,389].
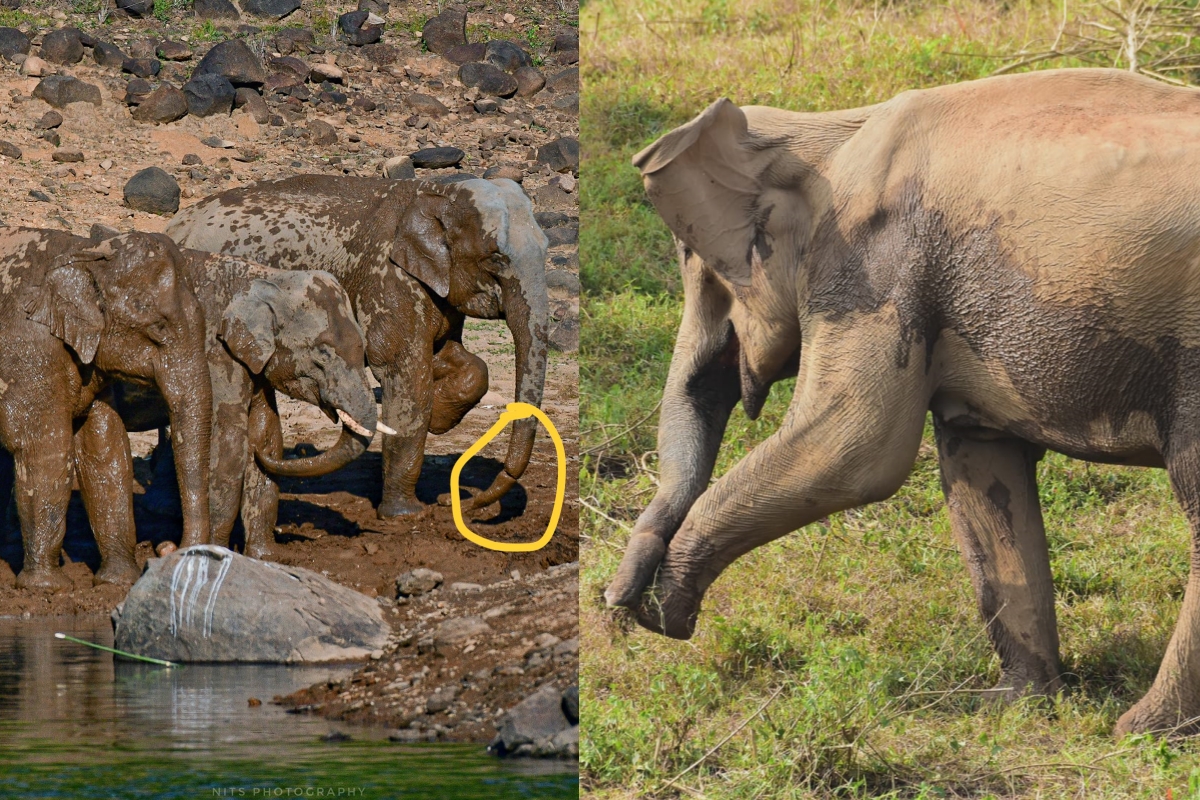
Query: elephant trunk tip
[643,554]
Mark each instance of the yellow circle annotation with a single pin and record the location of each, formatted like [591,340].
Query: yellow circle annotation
[512,413]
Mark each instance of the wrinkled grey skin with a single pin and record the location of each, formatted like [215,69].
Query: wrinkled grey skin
[268,330]
[75,316]
[416,259]
[1016,255]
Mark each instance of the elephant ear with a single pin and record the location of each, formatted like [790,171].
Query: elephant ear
[70,304]
[248,326]
[420,247]
[710,181]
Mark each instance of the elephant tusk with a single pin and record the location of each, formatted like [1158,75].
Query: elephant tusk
[390,431]
[353,425]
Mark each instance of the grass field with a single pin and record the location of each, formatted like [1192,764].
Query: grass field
[840,660]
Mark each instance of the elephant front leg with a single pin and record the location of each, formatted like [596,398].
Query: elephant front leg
[43,490]
[260,493]
[1172,706]
[460,380]
[991,494]
[407,407]
[105,467]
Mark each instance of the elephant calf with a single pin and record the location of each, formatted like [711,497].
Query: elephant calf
[1018,255]
[268,330]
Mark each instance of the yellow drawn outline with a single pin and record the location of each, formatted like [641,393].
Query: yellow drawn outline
[512,413]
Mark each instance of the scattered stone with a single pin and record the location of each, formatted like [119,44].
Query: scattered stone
[62,46]
[167,103]
[489,78]
[425,104]
[136,8]
[446,30]
[461,586]
[143,48]
[235,61]
[60,90]
[506,55]
[399,168]
[240,609]
[136,91]
[567,102]
[52,137]
[9,150]
[529,81]
[39,195]
[560,155]
[565,336]
[405,735]
[291,40]
[381,54]
[287,72]
[535,719]
[49,120]
[69,156]
[192,160]
[173,51]
[455,178]
[216,142]
[322,133]
[108,55]
[565,42]
[559,237]
[141,67]
[357,30]
[486,105]
[561,279]
[34,67]
[328,72]
[98,233]
[364,104]
[454,631]
[464,53]
[253,103]
[507,172]
[106,164]
[270,8]
[380,7]
[565,82]
[418,582]
[550,219]
[214,9]
[437,157]
[209,94]
[12,42]
[155,191]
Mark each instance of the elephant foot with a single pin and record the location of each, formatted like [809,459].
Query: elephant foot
[263,551]
[643,554]
[51,579]
[1151,715]
[191,541]
[392,507]
[120,573]
[1014,685]
[669,608]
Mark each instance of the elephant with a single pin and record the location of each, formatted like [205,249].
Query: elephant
[78,315]
[268,330]
[1014,255]
[416,259]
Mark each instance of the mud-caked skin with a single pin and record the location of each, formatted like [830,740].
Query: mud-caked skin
[416,259]
[1016,255]
[268,330]
[76,316]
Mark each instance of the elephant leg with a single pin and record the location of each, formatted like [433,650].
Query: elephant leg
[460,380]
[407,407]
[44,473]
[260,493]
[105,467]
[991,493]
[1172,705]
[846,441]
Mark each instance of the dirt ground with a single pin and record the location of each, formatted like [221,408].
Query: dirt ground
[329,524]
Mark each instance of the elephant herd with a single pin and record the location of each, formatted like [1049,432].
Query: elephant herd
[298,286]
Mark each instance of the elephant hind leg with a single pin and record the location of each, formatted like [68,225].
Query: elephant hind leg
[105,467]
[460,381]
[43,490]
[991,494]
[1172,706]
[260,493]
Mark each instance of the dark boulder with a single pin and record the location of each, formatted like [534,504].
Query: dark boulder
[165,104]
[270,8]
[12,42]
[488,78]
[136,8]
[235,61]
[61,90]
[108,54]
[62,46]
[355,29]
[209,94]
[446,30]
[437,157]
[214,9]
[506,55]
[155,191]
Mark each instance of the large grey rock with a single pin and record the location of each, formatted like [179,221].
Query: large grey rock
[62,46]
[355,29]
[206,603]
[488,78]
[560,155]
[209,94]
[165,104]
[270,8]
[437,157]
[61,90]
[152,190]
[235,61]
[214,9]
[108,54]
[533,721]
[448,29]
[418,582]
[506,55]
[12,41]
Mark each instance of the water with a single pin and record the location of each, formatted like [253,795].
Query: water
[76,725]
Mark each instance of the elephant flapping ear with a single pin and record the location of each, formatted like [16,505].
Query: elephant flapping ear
[70,303]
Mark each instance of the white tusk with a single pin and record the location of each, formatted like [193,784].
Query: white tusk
[385,429]
[352,424]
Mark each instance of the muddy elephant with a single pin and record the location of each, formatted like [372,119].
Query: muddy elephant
[1016,255]
[268,330]
[416,259]
[76,316]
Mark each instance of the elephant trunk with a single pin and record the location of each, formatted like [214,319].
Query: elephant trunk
[348,392]
[527,313]
[183,379]
[702,389]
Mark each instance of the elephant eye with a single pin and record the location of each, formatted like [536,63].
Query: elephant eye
[157,331]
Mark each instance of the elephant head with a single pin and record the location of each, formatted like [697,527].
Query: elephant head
[124,307]
[486,257]
[743,192]
[297,330]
